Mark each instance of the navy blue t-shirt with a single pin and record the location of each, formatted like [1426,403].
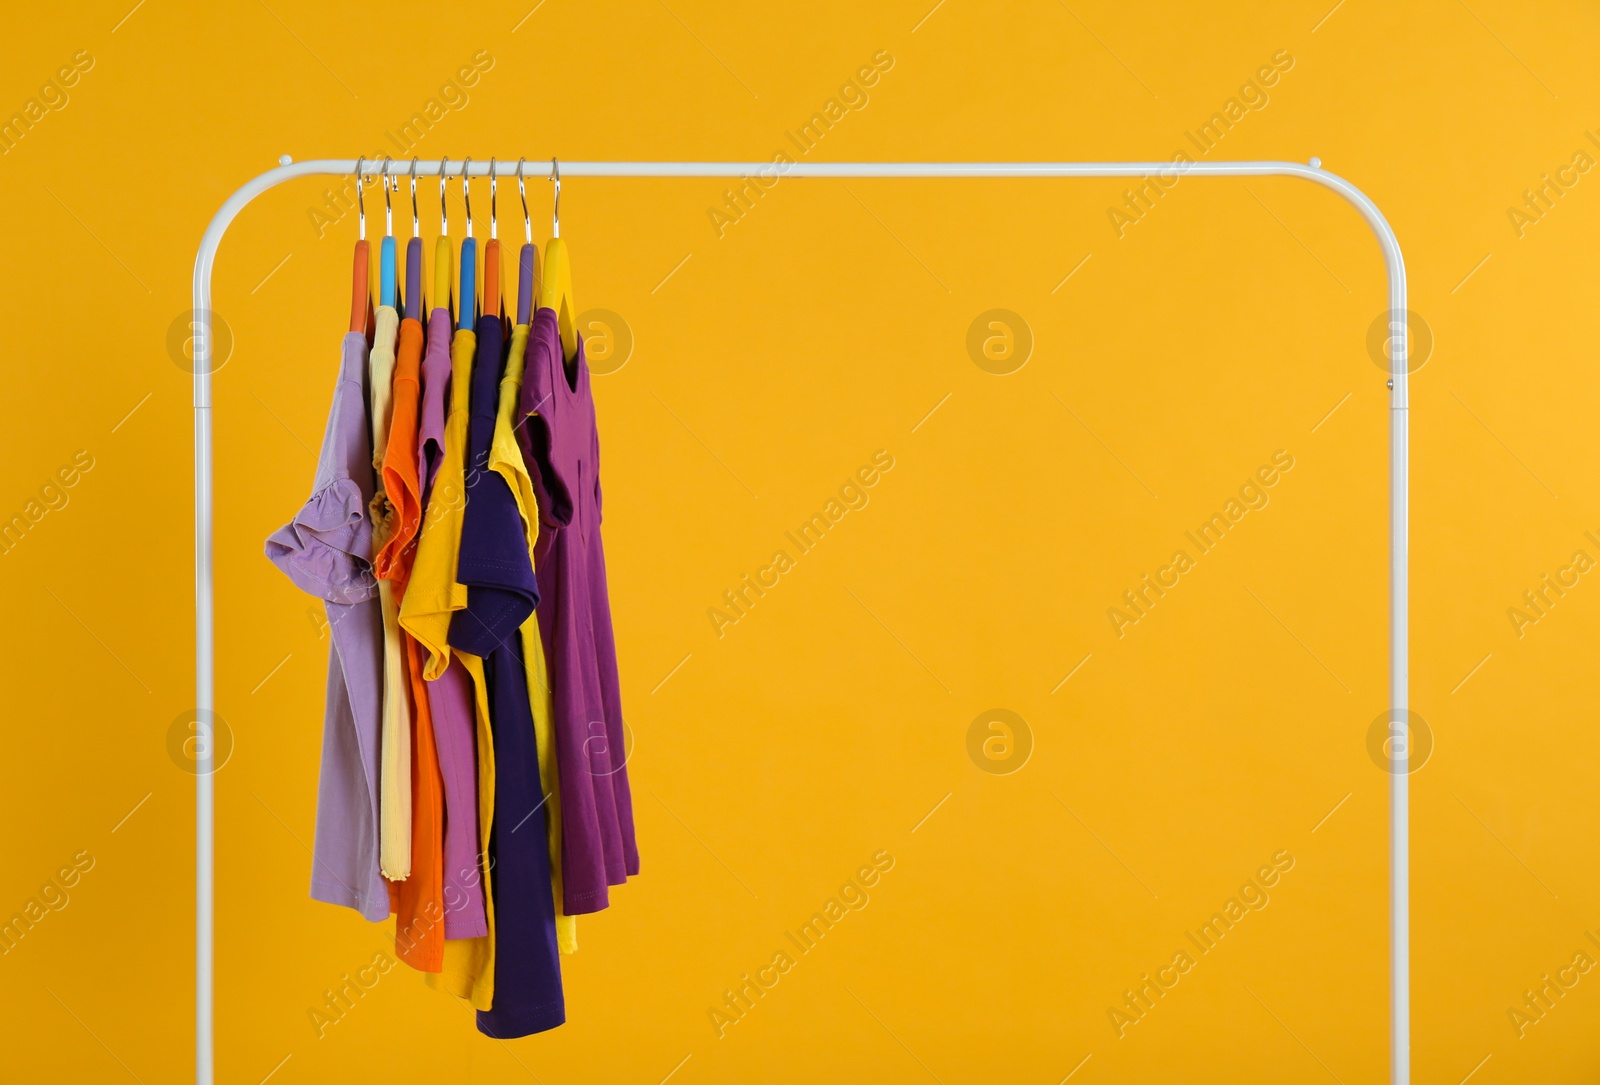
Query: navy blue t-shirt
[495,564]
[501,594]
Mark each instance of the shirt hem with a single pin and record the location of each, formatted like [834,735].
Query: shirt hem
[372,908]
[509,1026]
[586,903]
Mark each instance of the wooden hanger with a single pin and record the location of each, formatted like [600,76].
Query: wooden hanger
[361,275]
[528,258]
[556,290]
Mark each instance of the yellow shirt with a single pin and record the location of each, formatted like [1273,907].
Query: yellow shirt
[505,458]
[434,594]
[394,821]
[432,597]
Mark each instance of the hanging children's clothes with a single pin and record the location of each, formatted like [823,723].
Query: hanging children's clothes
[505,458]
[326,550]
[395,779]
[449,697]
[501,596]
[563,452]
[474,775]
[419,900]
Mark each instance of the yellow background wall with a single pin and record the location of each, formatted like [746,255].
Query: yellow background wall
[831,723]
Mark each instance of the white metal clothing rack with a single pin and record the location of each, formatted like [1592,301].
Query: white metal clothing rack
[1399,497]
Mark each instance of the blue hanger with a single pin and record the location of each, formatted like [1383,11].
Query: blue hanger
[386,276]
[469,260]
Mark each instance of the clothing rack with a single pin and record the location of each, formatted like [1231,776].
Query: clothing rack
[1399,494]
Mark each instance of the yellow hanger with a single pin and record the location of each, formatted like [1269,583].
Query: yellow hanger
[443,264]
[556,290]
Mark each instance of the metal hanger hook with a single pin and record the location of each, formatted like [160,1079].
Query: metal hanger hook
[522,190]
[388,209]
[555,218]
[466,191]
[416,222]
[361,200]
[444,208]
[494,226]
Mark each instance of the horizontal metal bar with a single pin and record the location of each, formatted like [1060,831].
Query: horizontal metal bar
[541,167]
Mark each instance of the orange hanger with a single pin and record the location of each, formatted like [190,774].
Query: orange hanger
[361,277]
[491,257]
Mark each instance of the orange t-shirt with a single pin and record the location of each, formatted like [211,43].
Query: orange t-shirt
[400,482]
[418,902]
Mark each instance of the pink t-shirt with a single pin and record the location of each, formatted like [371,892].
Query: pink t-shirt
[450,696]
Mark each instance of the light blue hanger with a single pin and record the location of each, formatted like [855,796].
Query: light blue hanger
[469,260]
[386,274]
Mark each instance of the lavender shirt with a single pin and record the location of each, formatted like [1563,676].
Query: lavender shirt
[562,449]
[450,699]
[327,551]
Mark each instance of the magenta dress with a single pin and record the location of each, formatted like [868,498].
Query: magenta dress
[562,447]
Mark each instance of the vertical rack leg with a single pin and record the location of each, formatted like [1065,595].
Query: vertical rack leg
[204,644]
[1399,691]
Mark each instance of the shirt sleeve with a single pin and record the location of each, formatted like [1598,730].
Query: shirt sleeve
[536,434]
[326,549]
